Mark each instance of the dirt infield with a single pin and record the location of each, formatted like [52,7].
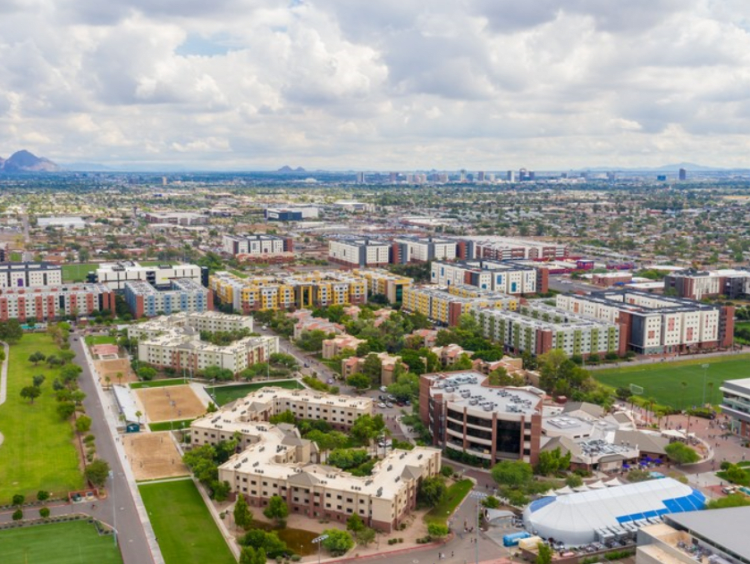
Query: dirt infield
[153,456]
[170,403]
[112,367]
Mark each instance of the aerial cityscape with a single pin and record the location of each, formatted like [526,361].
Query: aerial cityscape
[416,282]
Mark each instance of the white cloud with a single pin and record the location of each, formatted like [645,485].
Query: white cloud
[490,84]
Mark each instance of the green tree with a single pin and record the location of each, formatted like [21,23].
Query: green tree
[431,491]
[552,462]
[544,554]
[406,387]
[217,373]
[285,416]
[367,427]
[680,453]
[437,530]
[17,514]
[97,472]
[83,424]
[338,542]
[491,502]
[42,495]
[66,356]
[248,555]
[365,536]
[732,500]
[10,331]
[44,512]
[355,523]
[70,373]
[66,409]
[359,381]
[146,373]
[38,380]
[372,368]
[243,518]
[30,393]
[37,357]
[18,499]
[277,510]
[512,473]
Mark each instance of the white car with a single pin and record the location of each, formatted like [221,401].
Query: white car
[388,404]
[381,405]
[383,389]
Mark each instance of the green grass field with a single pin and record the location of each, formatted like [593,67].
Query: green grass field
[225,394]
[77,272]
[663,381]
[75,542]
[453,498]
[187,534]
[170,425]
[38,451]
[100,340]
[157,383]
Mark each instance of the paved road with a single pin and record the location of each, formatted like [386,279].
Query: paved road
[132,536]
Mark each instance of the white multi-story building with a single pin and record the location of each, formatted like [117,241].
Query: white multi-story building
[510,248]
[496,276]
[416,249]
[256,245]
[177,344]
[359,253]
[115,274]
[29,274]
[656,324]
[211,321]
[275,460]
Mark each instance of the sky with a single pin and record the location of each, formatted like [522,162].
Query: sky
[377,84]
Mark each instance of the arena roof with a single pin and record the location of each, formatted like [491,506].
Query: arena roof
[575,518]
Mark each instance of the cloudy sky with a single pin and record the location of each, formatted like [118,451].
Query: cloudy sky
[377,84]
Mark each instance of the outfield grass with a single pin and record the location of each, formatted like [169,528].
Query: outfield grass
[100,340]
[38,451]
[170,425]
[663,380]
[225,394]
[453,498]
[157,383]
[77,272]
[75,542]
[187,534]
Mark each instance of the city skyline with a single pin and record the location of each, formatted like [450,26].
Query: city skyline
[395,86]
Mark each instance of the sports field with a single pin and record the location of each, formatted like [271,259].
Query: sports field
[38,452]
[77,272]
[663,381]
[187,534]
[225,394]
[75,542]
[157,383]
[100,340]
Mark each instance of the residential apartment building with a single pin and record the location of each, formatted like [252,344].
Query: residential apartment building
[537,328]
[116,274]
[275,460]
[306,323]
[380,281]
[257,245]
[422,249]
[388,364]
[509,248]
[29,274]
[304,290]
[144,300]
[445,305]
[47,303]
[211,321]
[465,414]
[698,284]
[340,343]
[359,252]
[654,324]
[179,347]
[504,277]
[736,404]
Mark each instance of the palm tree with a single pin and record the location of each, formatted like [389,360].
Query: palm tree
[108,380]
[651,401]
[138,414]
[119,377]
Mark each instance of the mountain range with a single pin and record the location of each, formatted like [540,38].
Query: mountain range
[23,161]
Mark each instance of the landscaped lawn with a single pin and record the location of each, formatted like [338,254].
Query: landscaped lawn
[100,340]
[157,383]
[170,425]
[225,394]
[75,542]
[663,381]
[187,534]
[453,498]
[77,272]
[38,452]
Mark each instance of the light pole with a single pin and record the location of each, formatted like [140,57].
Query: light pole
[478,496]
[319,541]
[114,508]
[705,372]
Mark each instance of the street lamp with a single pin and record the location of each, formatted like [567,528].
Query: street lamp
[114,508]
[319,541]
[705,372]
[478,496]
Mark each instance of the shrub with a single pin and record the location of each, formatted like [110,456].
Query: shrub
[18,499]
[446,471]
[17,515]
[44,512]
[42,495]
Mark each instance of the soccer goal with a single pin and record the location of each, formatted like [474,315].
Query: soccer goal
[636,390]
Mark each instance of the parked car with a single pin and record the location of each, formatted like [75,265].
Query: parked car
[388,404]
[381,405]
[383,389]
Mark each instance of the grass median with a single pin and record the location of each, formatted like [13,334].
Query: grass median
[453,498]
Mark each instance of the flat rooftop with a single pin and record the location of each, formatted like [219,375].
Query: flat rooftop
[465,389]
[727,529]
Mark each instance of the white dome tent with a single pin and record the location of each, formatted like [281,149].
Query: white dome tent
[573,519]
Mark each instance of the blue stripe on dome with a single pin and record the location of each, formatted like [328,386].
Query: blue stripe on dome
[693,502]
[537,504]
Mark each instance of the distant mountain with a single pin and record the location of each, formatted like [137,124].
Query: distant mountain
[287,169]
[23,161]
